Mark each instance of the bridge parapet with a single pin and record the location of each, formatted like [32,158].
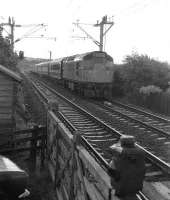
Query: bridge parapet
[75,173]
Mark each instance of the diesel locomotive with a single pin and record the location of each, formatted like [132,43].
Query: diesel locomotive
[89,74]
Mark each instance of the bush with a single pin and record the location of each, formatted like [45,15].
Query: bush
[140,70]
[7,57]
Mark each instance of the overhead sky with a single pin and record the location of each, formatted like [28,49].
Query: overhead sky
[140,26]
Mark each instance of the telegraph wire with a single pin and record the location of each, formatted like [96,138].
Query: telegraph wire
[136,7]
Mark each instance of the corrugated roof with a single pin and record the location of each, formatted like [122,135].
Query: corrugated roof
[10,73]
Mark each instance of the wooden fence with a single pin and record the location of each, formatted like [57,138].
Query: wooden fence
[29,140]
[159,103]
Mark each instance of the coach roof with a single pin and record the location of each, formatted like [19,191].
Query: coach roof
[10,73]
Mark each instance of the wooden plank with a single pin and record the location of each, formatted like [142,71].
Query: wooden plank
[4,132]
[27,139]
[5,103]
[5,80]
[5,116]
[6,98]
[5,110]
[6,123]
[16,150]
[6,138]
[6,87]
[10,74]
[5,93]
[26,131]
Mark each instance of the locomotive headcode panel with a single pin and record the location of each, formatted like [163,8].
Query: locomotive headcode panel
[99,54]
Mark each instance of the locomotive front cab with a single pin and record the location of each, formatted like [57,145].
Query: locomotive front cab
[100,67]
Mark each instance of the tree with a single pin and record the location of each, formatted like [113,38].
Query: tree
[118,84]
[140,70]
[7,57]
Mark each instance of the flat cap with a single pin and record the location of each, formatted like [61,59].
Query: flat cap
[127,140]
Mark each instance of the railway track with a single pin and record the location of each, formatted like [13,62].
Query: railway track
[97,135]
[155,121]
[147,133]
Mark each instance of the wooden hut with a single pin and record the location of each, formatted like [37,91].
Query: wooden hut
[11,98]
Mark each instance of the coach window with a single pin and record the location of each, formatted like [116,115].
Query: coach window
[77,65]
[77,68]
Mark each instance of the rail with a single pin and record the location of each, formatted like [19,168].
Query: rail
[97,156]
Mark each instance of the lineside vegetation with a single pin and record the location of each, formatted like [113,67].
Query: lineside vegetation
[7,57]
[140,73]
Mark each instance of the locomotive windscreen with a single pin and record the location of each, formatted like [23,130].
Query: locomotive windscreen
[99,54]
[103,55]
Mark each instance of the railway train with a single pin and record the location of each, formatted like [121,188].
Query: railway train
[89,74]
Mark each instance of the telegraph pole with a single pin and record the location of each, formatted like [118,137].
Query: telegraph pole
[102,33]
[11,24]
[102,24]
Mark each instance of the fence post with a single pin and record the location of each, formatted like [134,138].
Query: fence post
[33,147]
